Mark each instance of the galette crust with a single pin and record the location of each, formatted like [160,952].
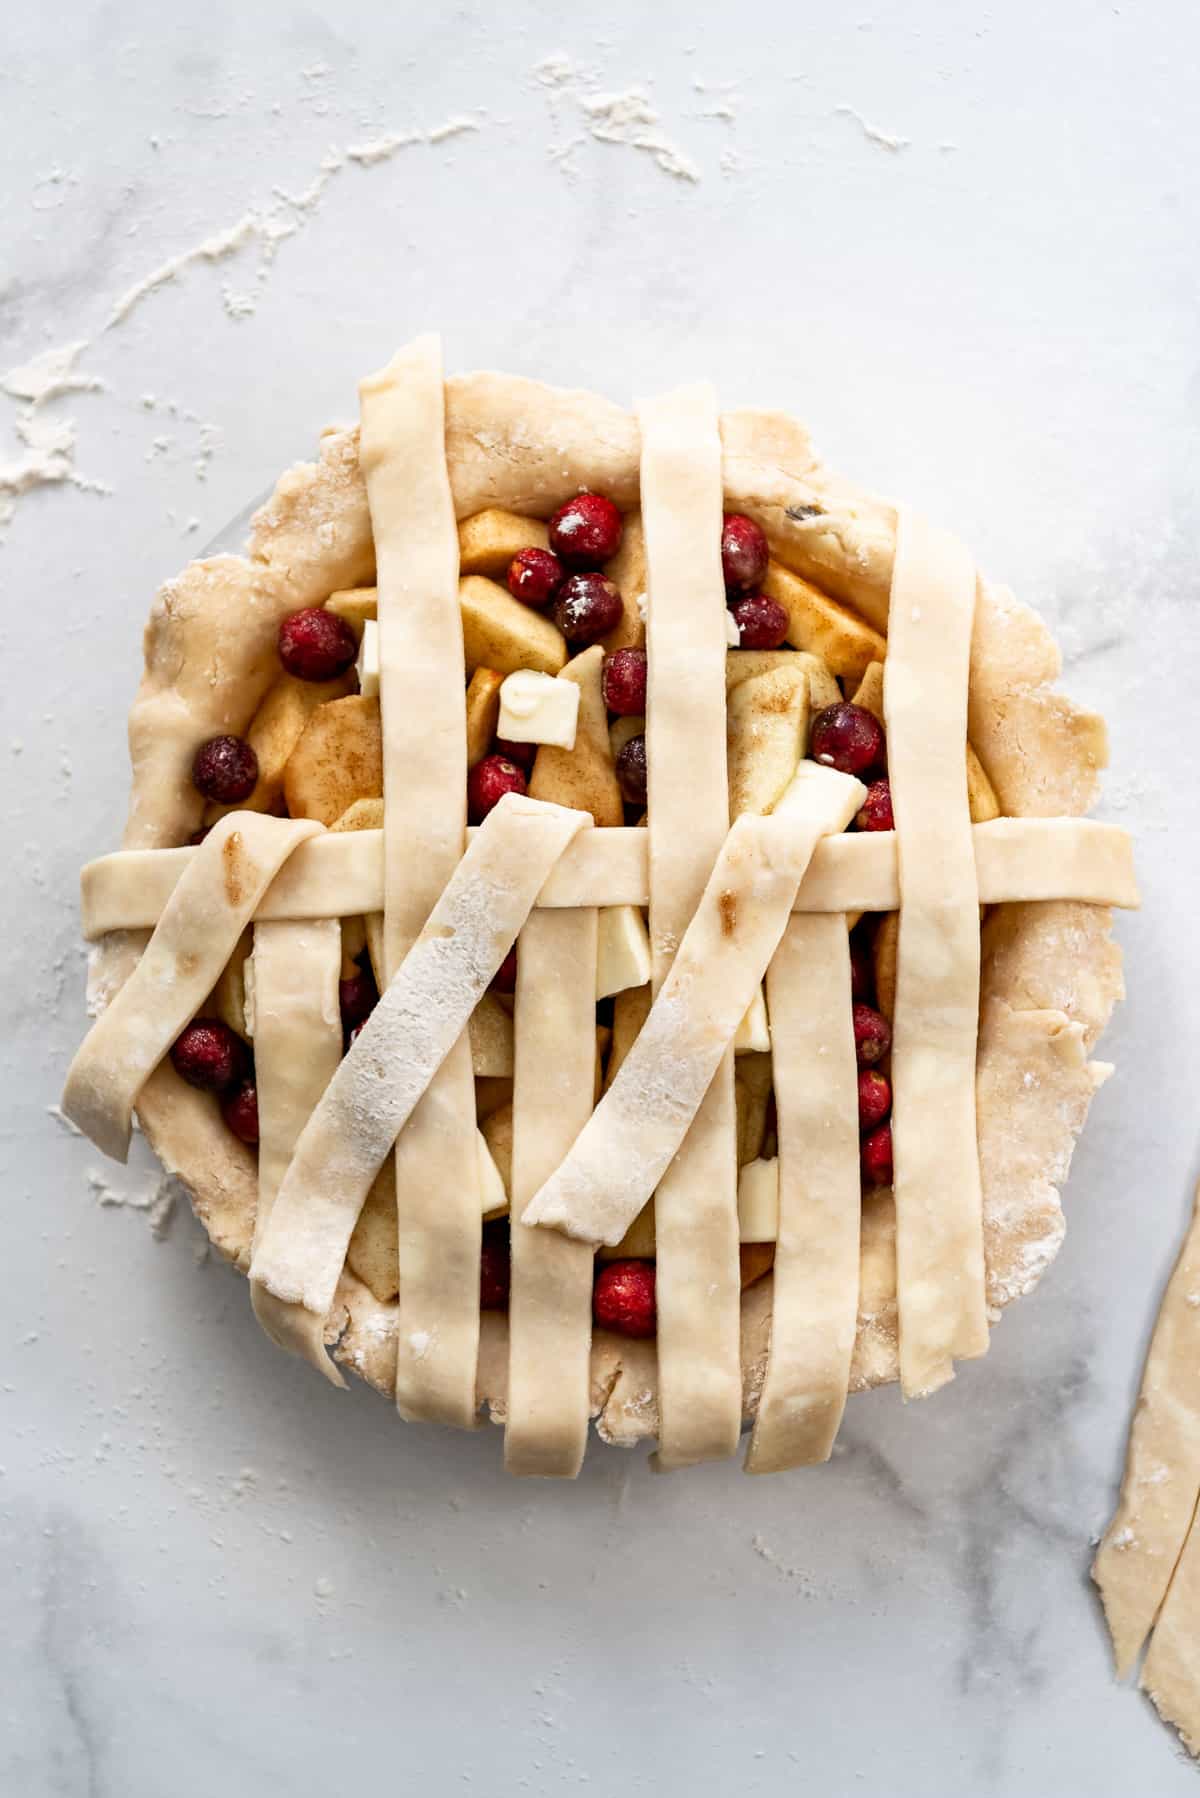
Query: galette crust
[1050,974]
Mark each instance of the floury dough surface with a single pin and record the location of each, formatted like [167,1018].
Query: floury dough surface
[272,202]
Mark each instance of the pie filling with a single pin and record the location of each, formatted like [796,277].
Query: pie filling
[634,698]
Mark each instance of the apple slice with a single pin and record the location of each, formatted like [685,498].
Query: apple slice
[758,1201]
[843,641]
[356,605]
[491,1032]
[623,950]
[500,633]
[627,570]
[488,541]
[584,777]
[766,729]
[483,712]
[338,759]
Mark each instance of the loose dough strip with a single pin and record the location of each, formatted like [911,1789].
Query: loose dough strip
[628,1142]
[197,933]
[1171,1670]
[423,708]
[391,1064]
[550,1302]
[815,1312]
[1162,1468]
[1015,858]
[939,1204]
[698,1276]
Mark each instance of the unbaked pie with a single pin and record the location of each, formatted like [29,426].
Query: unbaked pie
[587,818]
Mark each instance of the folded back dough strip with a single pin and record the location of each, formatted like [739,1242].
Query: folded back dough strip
[630,1139]
[815,1312]
[423,706]
[1142,1544]
[1015,859]
[698,1277]
[550,1300]
[408,1036]
[939,1204]
[201,922]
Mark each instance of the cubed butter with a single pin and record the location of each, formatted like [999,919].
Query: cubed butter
[753,1034]
[368,661]
[758,1201]
[622,950]
[538,708]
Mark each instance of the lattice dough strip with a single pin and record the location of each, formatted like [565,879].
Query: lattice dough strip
[939,1203]
[550,1302]
[1016,859]
[817,1234]
[423,710]
[377,1086]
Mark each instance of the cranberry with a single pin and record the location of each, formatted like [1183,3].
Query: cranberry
[495,1268]
[872,1035]
[240,1111]
[743,553]
[357,996]
[225,769]
[523,754]
[762,622]
[862,971]
[504,980]
[488,782]
[316,645]
[623,1298]
[624,682]
[876,813]
[534,577]
[874,1098]
[586,532]
[208,1055]
[877,1157]
[355,1034]
[846,737]
[587,607]
[631,770]
[198,836]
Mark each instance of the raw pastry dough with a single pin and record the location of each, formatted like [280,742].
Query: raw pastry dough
[939,1206]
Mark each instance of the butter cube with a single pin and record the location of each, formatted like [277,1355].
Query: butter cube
[758,1201]
[622,950]
[538,708]
[368,661]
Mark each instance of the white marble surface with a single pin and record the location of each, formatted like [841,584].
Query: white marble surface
[217,1575]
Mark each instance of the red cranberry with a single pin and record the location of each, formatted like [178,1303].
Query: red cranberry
[225,769]
[862,970]
[623,1298]
[357,997]
[743,553]
[198,836]
[586,532]
[874,1098]
[847,737]
[587,607]
[240,1111]
[872,1035]
[534,577]
[631,771]
[355,1034]
[876,813]
[762,622]
[495,1268]
[877,1157]
[504,980]
[523,754]
[316,645]
[624,682]
[488,782]
[208,1055]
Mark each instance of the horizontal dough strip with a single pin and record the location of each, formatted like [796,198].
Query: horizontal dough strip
[341,874]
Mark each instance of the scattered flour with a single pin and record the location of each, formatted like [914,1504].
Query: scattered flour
[887,140]
[158,1202]
[627,117]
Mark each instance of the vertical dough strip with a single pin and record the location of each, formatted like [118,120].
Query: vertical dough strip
[550,1302]
[939,1203]
[423,709]
[698,1280]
